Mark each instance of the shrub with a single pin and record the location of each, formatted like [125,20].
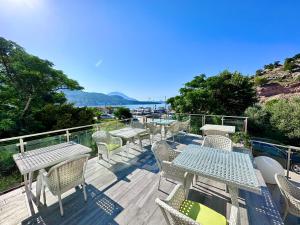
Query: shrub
[241,137]
[7,164]
[259,81]
[122,113]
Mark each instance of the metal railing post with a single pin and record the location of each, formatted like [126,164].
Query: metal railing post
[68,135]
[288,163]
[222,120]
[21,145]
[246,125]
[203,121]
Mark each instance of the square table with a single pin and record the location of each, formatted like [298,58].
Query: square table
[222,128]
[232,168]
[129,134]
[164,123]
[30,161]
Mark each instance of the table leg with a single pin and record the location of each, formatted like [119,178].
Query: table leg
[127,148]
[28,195]
[30,180]
[234,195]
[141,144]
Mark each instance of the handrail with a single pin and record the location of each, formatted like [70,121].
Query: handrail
[289,152]
[20,138]
[52,132]
[277,145]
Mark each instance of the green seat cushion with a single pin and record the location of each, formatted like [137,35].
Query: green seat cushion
[112,147]
[201,213]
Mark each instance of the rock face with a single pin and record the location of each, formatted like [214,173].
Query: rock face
[280,82]
[275,91]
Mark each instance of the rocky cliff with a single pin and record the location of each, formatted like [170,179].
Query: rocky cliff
[279,81]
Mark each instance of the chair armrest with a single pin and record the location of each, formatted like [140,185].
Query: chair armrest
[102,147]
[176,197]
[173,154]
[233,219]
[170,169]
[117,140]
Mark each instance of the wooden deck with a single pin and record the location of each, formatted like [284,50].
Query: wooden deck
[125,192]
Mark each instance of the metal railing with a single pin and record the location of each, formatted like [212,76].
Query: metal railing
[287,148]
[67,132]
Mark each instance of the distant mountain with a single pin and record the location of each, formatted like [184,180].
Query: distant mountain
[82,98]
[115,93]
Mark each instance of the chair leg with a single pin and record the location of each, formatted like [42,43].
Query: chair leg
[84,192]
[285,213]
[44,195]
[39,185]
[60,205]
[158,188]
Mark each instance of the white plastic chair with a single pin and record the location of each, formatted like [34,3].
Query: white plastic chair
[291,194]
[218,142]
[176,209]
[164,156]
[107,145]
[62,177]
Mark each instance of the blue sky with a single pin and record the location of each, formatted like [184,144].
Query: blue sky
[149,49]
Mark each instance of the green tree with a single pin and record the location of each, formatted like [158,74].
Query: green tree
[27,85]
[276,119]
[122,113]
[226,93]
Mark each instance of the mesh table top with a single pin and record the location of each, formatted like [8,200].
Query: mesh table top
[127,132]
[232,168]
[37,159]
[162,121]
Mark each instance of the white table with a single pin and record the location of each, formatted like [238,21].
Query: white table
[129,134]
[222,128]
[232,168]
[30,161]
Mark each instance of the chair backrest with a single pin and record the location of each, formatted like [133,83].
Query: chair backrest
[185,125]
[101,136]
[287,189]
[215,132]
[161,150]
[153,128]
[175,127]
[67,174]
[217,141]
[137,124]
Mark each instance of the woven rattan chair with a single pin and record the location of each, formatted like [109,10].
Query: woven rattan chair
[107,145]
[185,126]
[174,129]
[215,132]
[144,136]
[62,177]
[217,141]
[291,194]
[177,210]
[164,156]
[154,129]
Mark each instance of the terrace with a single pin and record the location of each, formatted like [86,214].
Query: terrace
[124,191]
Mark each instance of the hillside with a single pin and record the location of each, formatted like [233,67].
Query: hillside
[115,93]
[81,98]
[278,80]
